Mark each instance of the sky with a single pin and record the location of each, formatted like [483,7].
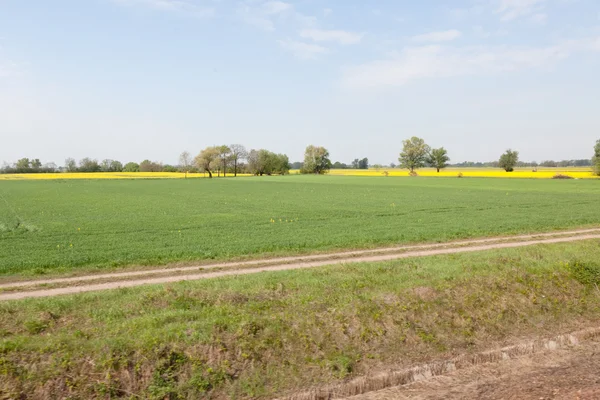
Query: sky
[149,79]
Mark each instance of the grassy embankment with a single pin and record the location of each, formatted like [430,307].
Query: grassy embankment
[271,334]
[52,227]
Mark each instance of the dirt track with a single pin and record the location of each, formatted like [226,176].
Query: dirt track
[566,374]
[114,281]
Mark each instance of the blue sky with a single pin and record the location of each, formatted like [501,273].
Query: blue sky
[136,79]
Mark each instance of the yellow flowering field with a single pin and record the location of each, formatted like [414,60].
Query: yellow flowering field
[541,173]
[104,175]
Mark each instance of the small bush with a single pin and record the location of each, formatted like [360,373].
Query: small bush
[413,173]
[561,176]
[460,175]
[585,273]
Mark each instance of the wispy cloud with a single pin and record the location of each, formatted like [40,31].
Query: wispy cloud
[342,37]
[441,36]
[266,14]
[301,50]
[436,61]
[513,9]
[179,6]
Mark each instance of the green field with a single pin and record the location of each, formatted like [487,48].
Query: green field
[65,225]
[263,335]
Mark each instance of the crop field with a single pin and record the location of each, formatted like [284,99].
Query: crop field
[267,335]
[64,226]
[540,173]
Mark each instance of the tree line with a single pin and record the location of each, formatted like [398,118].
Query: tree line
[234,159]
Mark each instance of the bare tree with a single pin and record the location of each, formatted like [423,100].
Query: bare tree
[224,156]
[238,152]
[185,161]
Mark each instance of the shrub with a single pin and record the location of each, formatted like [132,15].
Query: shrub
[585,273]
[460,175]
[413,173]
[561,176]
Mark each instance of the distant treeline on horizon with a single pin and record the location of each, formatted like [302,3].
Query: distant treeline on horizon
[26,165]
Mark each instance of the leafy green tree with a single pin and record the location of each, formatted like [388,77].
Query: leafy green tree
[596,158]
[364,163]
[23,164]
[509,160]
[438,158]
[208,159]
[131,167]
[414,153]
[316,160]
[36,163]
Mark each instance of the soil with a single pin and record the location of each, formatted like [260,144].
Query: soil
[571,373]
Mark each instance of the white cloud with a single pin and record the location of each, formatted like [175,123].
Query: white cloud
[276,7]
[266,15]
[436,61]
[539,18]
[512,9]
[304,51]
[342,37]
[327,12]
[181,6]
[441,36]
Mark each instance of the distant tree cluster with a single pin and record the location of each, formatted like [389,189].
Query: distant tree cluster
[29,166]
[230,159]
[234,159]
[417,154]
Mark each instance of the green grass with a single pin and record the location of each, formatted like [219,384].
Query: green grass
[269,334]
[61,226]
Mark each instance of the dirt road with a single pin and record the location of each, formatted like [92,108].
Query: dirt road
[38,288]
[564,374]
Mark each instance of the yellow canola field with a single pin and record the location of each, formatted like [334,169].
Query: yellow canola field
[541,173]
[104,175]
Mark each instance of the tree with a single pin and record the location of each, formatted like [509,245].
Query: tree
[88,165]
[238,153]
[116,166]
[414,153]
[355,163]
[596,158]
[23,164]
[224,157]
[364,163]
[149,166]
[185,162]
[131,167]
[36,163]
[392,165]
[263,162]
[508,160]
[208,159]
[438,158]
[70,165]
[316,160]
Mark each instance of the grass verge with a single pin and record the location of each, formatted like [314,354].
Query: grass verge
[269,334]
